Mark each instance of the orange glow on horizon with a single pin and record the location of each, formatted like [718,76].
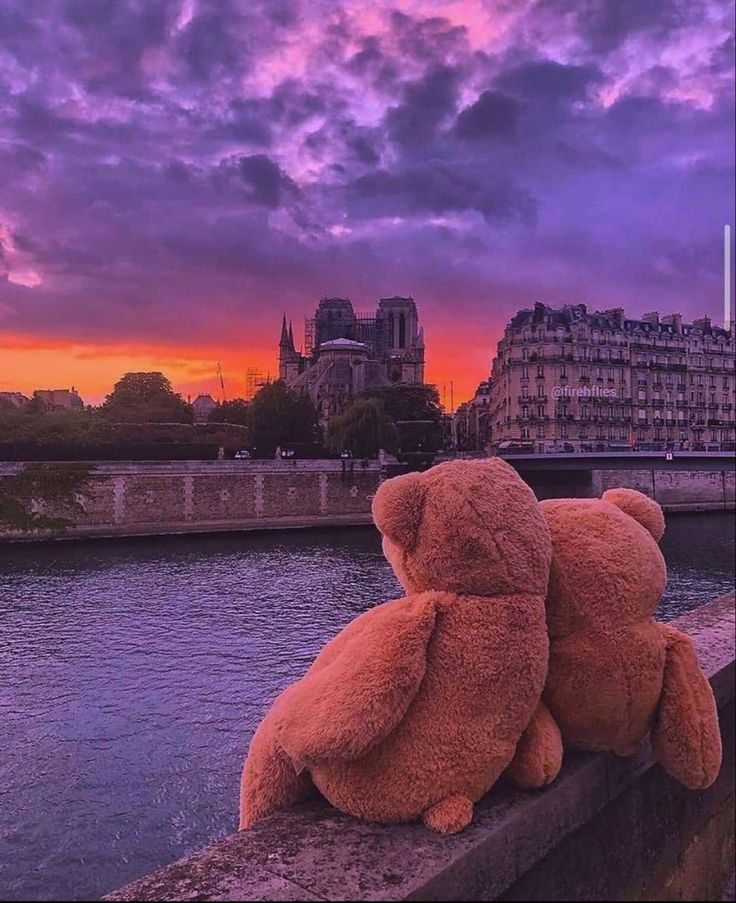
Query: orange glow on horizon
[28,363]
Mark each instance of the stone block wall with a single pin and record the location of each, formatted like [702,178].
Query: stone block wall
[188,497]
[675,490]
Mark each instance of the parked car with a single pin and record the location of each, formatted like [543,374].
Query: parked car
[242,455]
[516,447]
[619,445]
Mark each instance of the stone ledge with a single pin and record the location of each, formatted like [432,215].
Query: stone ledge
[313,852]
[243,468]
[190,528]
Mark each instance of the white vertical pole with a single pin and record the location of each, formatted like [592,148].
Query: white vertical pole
[726,277]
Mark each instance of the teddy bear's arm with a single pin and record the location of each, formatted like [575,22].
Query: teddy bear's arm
[538,756]
[686,738]
[342,710]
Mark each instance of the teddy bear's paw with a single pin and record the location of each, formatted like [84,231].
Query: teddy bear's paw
[538,757]
[450,815]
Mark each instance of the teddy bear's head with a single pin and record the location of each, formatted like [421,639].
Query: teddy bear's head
[606,564]
[469,527]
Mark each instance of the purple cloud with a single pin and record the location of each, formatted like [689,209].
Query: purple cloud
[156,155]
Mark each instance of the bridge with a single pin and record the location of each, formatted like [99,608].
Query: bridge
[679,481]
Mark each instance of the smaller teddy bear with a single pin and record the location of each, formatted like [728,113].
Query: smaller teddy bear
[419,705]
[615,672]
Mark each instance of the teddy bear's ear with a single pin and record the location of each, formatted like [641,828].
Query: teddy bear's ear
[640,507]
[397,508]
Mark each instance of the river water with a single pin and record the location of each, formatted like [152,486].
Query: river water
[132,676]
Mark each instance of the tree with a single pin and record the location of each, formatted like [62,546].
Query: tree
[363,429]
[415,408]
[408,401]
[235,411]
[146,398]
[278,415]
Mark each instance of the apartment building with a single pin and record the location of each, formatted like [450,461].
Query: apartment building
[569,380]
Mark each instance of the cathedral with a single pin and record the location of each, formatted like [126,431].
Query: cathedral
[345,353]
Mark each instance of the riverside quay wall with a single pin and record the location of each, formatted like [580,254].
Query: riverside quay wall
[80,500]
[62,501]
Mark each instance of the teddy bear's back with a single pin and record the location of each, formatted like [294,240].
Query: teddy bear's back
[604,685]
[486,665]
[607,569]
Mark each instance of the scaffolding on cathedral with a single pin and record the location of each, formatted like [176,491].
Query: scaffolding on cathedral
[254,380]
[363,327]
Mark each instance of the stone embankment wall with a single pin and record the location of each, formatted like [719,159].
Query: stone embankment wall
[675,490]
[62,501]
[94,500]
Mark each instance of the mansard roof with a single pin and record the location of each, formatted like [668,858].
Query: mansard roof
[570,314]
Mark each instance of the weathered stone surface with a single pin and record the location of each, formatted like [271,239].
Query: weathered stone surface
[608,828]
[149,498]
[144,498]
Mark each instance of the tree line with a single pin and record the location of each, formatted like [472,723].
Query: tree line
[399,418]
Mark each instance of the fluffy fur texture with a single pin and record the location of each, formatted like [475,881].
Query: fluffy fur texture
[614,672]
[416,708]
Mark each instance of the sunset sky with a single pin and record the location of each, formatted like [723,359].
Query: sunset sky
[176,174]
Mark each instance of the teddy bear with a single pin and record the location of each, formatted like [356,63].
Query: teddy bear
[615,672]
[419,705]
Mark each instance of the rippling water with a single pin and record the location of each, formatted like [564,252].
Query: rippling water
[133,674]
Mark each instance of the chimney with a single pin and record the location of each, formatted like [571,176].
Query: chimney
[673,320]
[702,323]
[617,315]
[652,317]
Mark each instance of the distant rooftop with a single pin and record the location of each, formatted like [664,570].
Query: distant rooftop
[343,345]
[650,324]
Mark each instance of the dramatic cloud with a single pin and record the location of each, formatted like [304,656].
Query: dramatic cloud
[176,173]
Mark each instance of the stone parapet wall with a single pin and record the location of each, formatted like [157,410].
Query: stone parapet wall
[675,490]
[608,828]
[130,499]
[149,498]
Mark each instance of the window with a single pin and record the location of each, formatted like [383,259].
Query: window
[540,370]
[524,412]
[540,391]
[525,372]
[402,330]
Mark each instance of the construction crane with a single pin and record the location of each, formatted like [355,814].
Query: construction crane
[222,381]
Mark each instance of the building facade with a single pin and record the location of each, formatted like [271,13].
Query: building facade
[567,379]
[59,399]
[345,353]
[472,422]
[13,399]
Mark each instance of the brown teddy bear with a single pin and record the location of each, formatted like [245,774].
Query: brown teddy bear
[417,707]
[614,672]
